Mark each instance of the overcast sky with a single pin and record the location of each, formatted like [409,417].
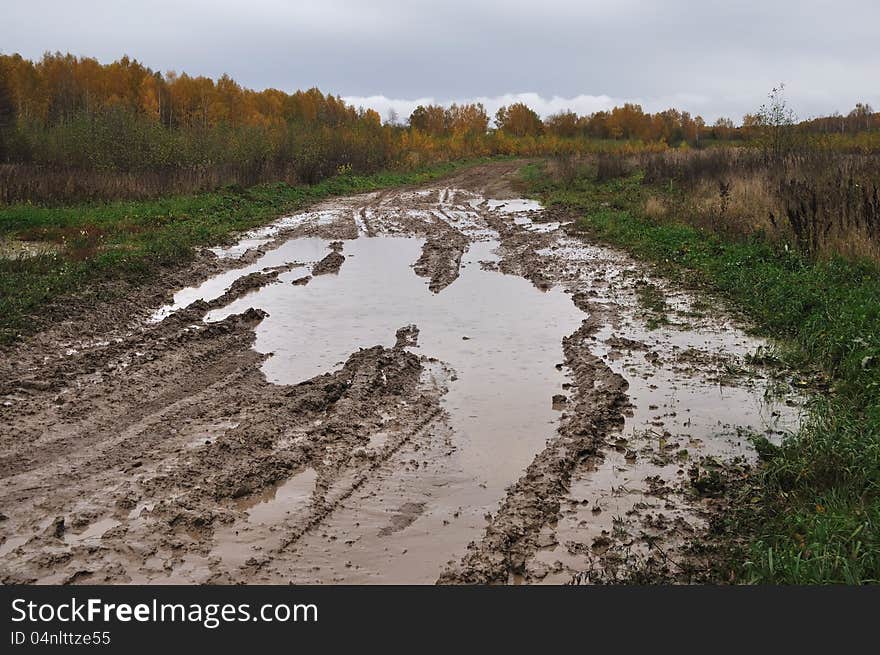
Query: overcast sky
[708,57]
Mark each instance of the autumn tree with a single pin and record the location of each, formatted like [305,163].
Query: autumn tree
[597,125]
[860,117]
[565,124]
[723,128]
[150,96]
[467,120]
[7,109]
[226,102]
[430,119]
[519,119]
[628,122]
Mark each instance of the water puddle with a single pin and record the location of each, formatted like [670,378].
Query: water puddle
[93,532]
[303,252]
[143,506]
[499,335]
[274,504]
[394,473]
[262,236]
[515,205]
[12,543]
[208,434]
[378,440]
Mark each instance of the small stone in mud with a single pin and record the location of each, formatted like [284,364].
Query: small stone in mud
[336,246]
[330,264]
[240,491]
[465,338]
[302,280]
[57,528]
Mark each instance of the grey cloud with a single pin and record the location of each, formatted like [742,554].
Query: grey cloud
[713,58]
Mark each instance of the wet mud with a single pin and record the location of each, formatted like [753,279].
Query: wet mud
[438,384]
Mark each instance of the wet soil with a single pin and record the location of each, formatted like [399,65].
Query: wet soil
[435,384]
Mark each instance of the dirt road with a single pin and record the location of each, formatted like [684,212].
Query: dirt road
[434,384]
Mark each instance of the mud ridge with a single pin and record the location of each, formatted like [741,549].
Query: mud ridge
[330,264]
[441,259]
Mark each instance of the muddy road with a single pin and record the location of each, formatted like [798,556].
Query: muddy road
[421,385]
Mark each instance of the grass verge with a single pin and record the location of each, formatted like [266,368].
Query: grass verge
[80,245]
[814,508]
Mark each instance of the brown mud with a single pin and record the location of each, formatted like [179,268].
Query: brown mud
[219,433]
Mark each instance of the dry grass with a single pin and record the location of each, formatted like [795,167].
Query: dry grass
[744,209]
[656,208]
[822,203]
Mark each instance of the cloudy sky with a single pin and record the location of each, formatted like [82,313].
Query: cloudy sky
[709,57]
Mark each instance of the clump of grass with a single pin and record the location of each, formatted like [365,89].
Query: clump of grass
[656,208]
[652,300]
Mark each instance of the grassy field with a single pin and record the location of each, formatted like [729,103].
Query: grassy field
[817,515]
[72,247]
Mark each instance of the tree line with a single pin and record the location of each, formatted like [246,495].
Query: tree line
[63,115]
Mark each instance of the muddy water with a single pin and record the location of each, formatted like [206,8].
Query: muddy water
[693,400]
[500,341]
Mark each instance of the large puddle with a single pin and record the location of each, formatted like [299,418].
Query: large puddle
[500,335]
[500,339]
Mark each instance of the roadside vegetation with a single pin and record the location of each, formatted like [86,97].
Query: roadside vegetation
[791,236]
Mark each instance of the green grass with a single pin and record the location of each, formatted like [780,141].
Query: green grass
[653,302]
[134,240]
[817,519]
